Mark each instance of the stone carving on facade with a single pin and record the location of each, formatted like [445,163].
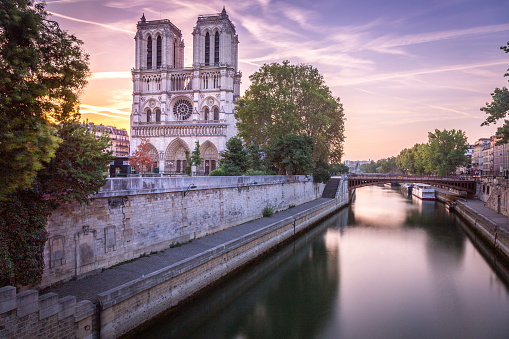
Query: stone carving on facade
[186,92]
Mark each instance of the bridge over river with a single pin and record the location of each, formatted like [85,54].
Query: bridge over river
[460,183]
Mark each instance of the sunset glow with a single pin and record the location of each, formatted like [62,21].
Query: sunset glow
[401,68]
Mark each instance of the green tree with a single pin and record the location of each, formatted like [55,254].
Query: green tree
[196,159]
[42,71]
[235,158]
[387,165]
[73,174]
[79,166]
[413,160]
[498,109]
[321,172]
[340,168]
[46,157]
[288,99]
[255,158]
[369,167]
[292,154]
[446,151]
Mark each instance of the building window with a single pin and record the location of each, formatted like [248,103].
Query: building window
[149,52]
[174,55]
[149,113]
[216,49]
[159,52]
[216,113]
[158,115]
[207,49]
[206,114]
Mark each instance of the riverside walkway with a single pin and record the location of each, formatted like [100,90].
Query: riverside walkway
[89,288]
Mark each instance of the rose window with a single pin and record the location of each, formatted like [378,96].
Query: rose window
[182,109]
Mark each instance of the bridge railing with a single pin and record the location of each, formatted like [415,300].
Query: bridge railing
[413,177]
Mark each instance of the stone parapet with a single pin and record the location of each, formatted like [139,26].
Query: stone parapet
[146,185]
[132,217]
[30,315]
[130,305]
[495,236]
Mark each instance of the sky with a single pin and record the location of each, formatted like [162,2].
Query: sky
[401,68]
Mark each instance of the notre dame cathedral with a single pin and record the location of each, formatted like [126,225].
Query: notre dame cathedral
[175,106]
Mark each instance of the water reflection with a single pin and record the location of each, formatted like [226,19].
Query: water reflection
[387,267]
[288,295]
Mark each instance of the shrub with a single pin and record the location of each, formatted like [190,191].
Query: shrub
[253,172]
[217,173]
[267,212]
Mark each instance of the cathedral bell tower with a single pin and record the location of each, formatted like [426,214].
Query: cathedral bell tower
[176,106]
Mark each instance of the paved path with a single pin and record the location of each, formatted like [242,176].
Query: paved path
[90,287]
[478,206]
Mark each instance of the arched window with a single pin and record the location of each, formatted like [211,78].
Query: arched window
[149,52]
[206,114]
[149,115]
[216,49]
[159,52]
[174,55]
[216,113]
[158,115]
[207,49]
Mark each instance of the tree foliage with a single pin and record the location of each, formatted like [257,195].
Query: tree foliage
[445,151]
[340,168]
[256,162]
[235,158]
[292,154]
[43,70]
[73,174]
[196,159]
[286,99]
[142,159]
[498,109]
[79,166]
[46,157]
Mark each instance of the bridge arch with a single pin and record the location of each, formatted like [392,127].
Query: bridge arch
[457,183]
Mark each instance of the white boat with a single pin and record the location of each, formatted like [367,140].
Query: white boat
[423,191]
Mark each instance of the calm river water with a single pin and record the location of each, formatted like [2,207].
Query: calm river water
[389,266]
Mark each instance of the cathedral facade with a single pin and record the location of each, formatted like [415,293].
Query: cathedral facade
[175,106]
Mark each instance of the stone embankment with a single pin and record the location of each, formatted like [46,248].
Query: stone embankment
[122,298]
[490,226]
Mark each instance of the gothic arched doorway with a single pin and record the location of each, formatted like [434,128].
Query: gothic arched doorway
[210,157]
[175,156]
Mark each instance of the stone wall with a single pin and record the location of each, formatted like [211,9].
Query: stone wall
[123,308]
[28,315]
[130,305]
[133,216]
[495,237]
[494,192]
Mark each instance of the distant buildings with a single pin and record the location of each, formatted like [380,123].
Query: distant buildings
[355,166]
[489,158]
[118,136]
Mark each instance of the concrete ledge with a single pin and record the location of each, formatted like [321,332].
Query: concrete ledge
[116,187]
[147,296]
[132,288]
[496,237]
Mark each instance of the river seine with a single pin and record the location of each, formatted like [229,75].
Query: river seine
[388,266]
